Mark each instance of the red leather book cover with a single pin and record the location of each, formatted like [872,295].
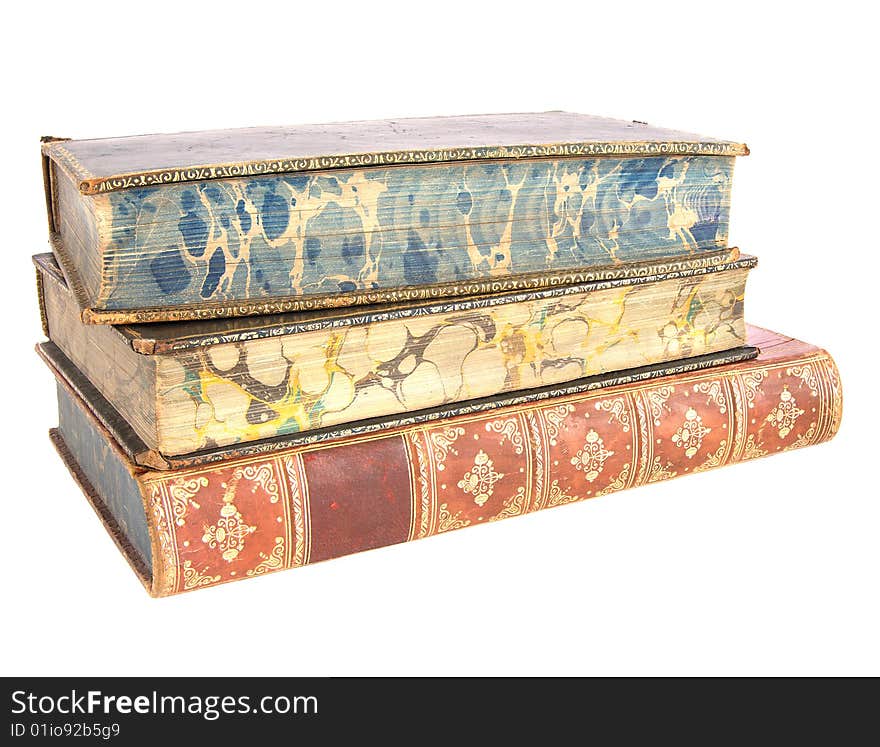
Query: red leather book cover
[251,516]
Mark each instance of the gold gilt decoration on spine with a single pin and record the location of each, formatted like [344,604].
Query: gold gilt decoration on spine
[620,413]
[299,509]
[271,561]
[619,482]
[540,451]
[183,492]
[480,480]
[808,374]
[447,522]
[559,496]
[423,495]
[554,417]
[509,430]
[229,532]
[193,578]
[264,476]
[643,438]
[516,505]
[592,456]
[443,441]
[690,433]
[754,449]
[166,564]
[751,381]
[715,459]
[714,391]
[659,471]
[783,416]
[805,439]
[657,398]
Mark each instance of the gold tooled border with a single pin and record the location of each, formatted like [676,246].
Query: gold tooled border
[91,185]
[143,572]
[437,292]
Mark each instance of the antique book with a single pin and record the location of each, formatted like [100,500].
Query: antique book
[273,219]
[243,517]
[189,386]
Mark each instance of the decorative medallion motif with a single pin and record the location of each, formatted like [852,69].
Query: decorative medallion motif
[592,457]
[481,479]
[691,433]
[783,416]
[229,533]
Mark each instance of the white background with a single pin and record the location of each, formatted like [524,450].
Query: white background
[765,568]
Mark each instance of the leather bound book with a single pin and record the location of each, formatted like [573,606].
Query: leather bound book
[274,219]
[186,387]
[243,517]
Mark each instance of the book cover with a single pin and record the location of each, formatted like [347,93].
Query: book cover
[261,220]
[187,387]
[244,517]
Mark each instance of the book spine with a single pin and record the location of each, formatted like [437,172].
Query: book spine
[250,517]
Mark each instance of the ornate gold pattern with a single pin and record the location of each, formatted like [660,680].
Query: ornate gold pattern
[753,448]
[715,459]
[751,381]
[558,496]
[165,563]
[183,492]
[513,506]
[690,434]
[229,532]
[480,480]
[657,399]
[659,471]
[592,456]
[714,391]
[442,442]
[509,429]
[91,185]
[424,484]
[619,411]
[783,416]
[298,492]
[264,476]
[447,522]
[618,483]
[805,439]
[271,561]
[192,578]
[807,374]
[554,417]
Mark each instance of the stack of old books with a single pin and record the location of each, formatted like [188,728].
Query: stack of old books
[275,346]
